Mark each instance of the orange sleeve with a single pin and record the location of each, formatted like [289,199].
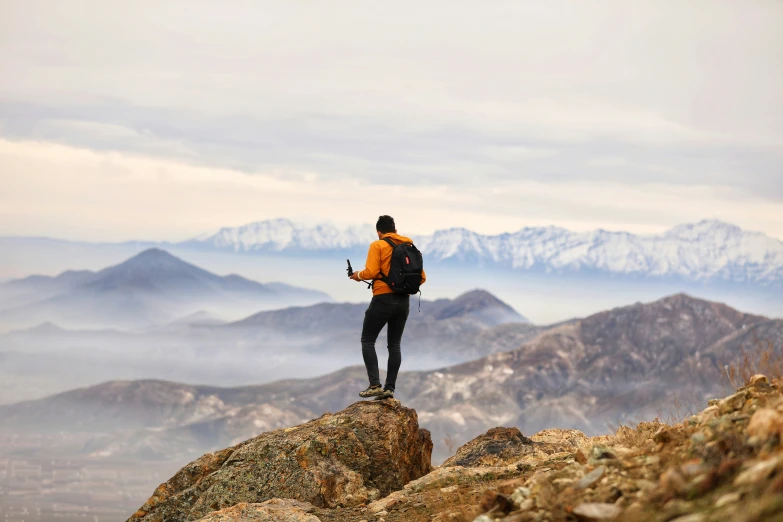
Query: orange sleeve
[372,267]
[423,276]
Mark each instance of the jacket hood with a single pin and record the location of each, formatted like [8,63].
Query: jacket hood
[398,238]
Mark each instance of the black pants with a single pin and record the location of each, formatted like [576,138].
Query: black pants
[391,309]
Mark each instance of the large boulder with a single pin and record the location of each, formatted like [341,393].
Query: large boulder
[496,447]
[366,451]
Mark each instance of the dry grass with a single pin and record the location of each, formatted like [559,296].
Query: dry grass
[637,437]
[762,358]
[629,437]
[672,413]
[625,434]
[678,410]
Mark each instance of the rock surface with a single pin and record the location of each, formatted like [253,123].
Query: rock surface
[723,464]
[592,511]
[364,452]
[711,467]
[707,468]
[497,446]
[275,510]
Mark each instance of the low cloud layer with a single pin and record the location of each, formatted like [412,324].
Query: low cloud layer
[62,191]
[630,115]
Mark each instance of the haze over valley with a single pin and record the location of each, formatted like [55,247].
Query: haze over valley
[156,316]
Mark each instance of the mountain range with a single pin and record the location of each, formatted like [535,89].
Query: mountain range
[298,341]
[152,287]
[709,250]
[550,273]
[704,251]
[583,374]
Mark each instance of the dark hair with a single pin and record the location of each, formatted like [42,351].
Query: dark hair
[385,225]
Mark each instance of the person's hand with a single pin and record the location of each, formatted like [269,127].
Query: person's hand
[355,276]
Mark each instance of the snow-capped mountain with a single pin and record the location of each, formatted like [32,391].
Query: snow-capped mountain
[705,250]
[277,235]
[708,250]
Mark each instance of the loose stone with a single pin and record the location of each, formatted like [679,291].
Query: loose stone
[597,511]
[591,478]
[728,498]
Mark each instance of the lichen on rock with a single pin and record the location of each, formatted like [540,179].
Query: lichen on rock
[348,458]
[275,510]
[496,447]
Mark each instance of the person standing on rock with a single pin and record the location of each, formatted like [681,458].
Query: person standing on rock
[394,271]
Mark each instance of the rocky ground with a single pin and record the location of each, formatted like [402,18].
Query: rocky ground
[723,464]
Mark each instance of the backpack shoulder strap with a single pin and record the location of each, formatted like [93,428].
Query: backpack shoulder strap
[392,244]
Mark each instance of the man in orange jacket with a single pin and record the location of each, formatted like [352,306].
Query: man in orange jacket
[386,307]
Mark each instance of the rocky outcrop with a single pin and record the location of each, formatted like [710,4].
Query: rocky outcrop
[496,447]
[362,453]
[723,464]
[503,446]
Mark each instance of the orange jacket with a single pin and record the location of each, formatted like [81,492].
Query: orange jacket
[379,260]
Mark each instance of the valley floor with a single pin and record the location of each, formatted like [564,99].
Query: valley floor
[35,489]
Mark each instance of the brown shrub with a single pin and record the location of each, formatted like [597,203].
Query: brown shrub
[761,358]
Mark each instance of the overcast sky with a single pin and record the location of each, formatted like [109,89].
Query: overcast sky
[163,120]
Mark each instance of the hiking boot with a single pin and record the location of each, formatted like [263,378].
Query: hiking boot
[372,391]
[385,394]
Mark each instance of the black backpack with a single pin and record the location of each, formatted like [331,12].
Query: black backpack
[404,275]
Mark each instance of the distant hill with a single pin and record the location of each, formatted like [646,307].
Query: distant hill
[584,374]
[152,287]
[200,318]
[589,373]
[299,341]
[34,288]
[478,306]
[448,330]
